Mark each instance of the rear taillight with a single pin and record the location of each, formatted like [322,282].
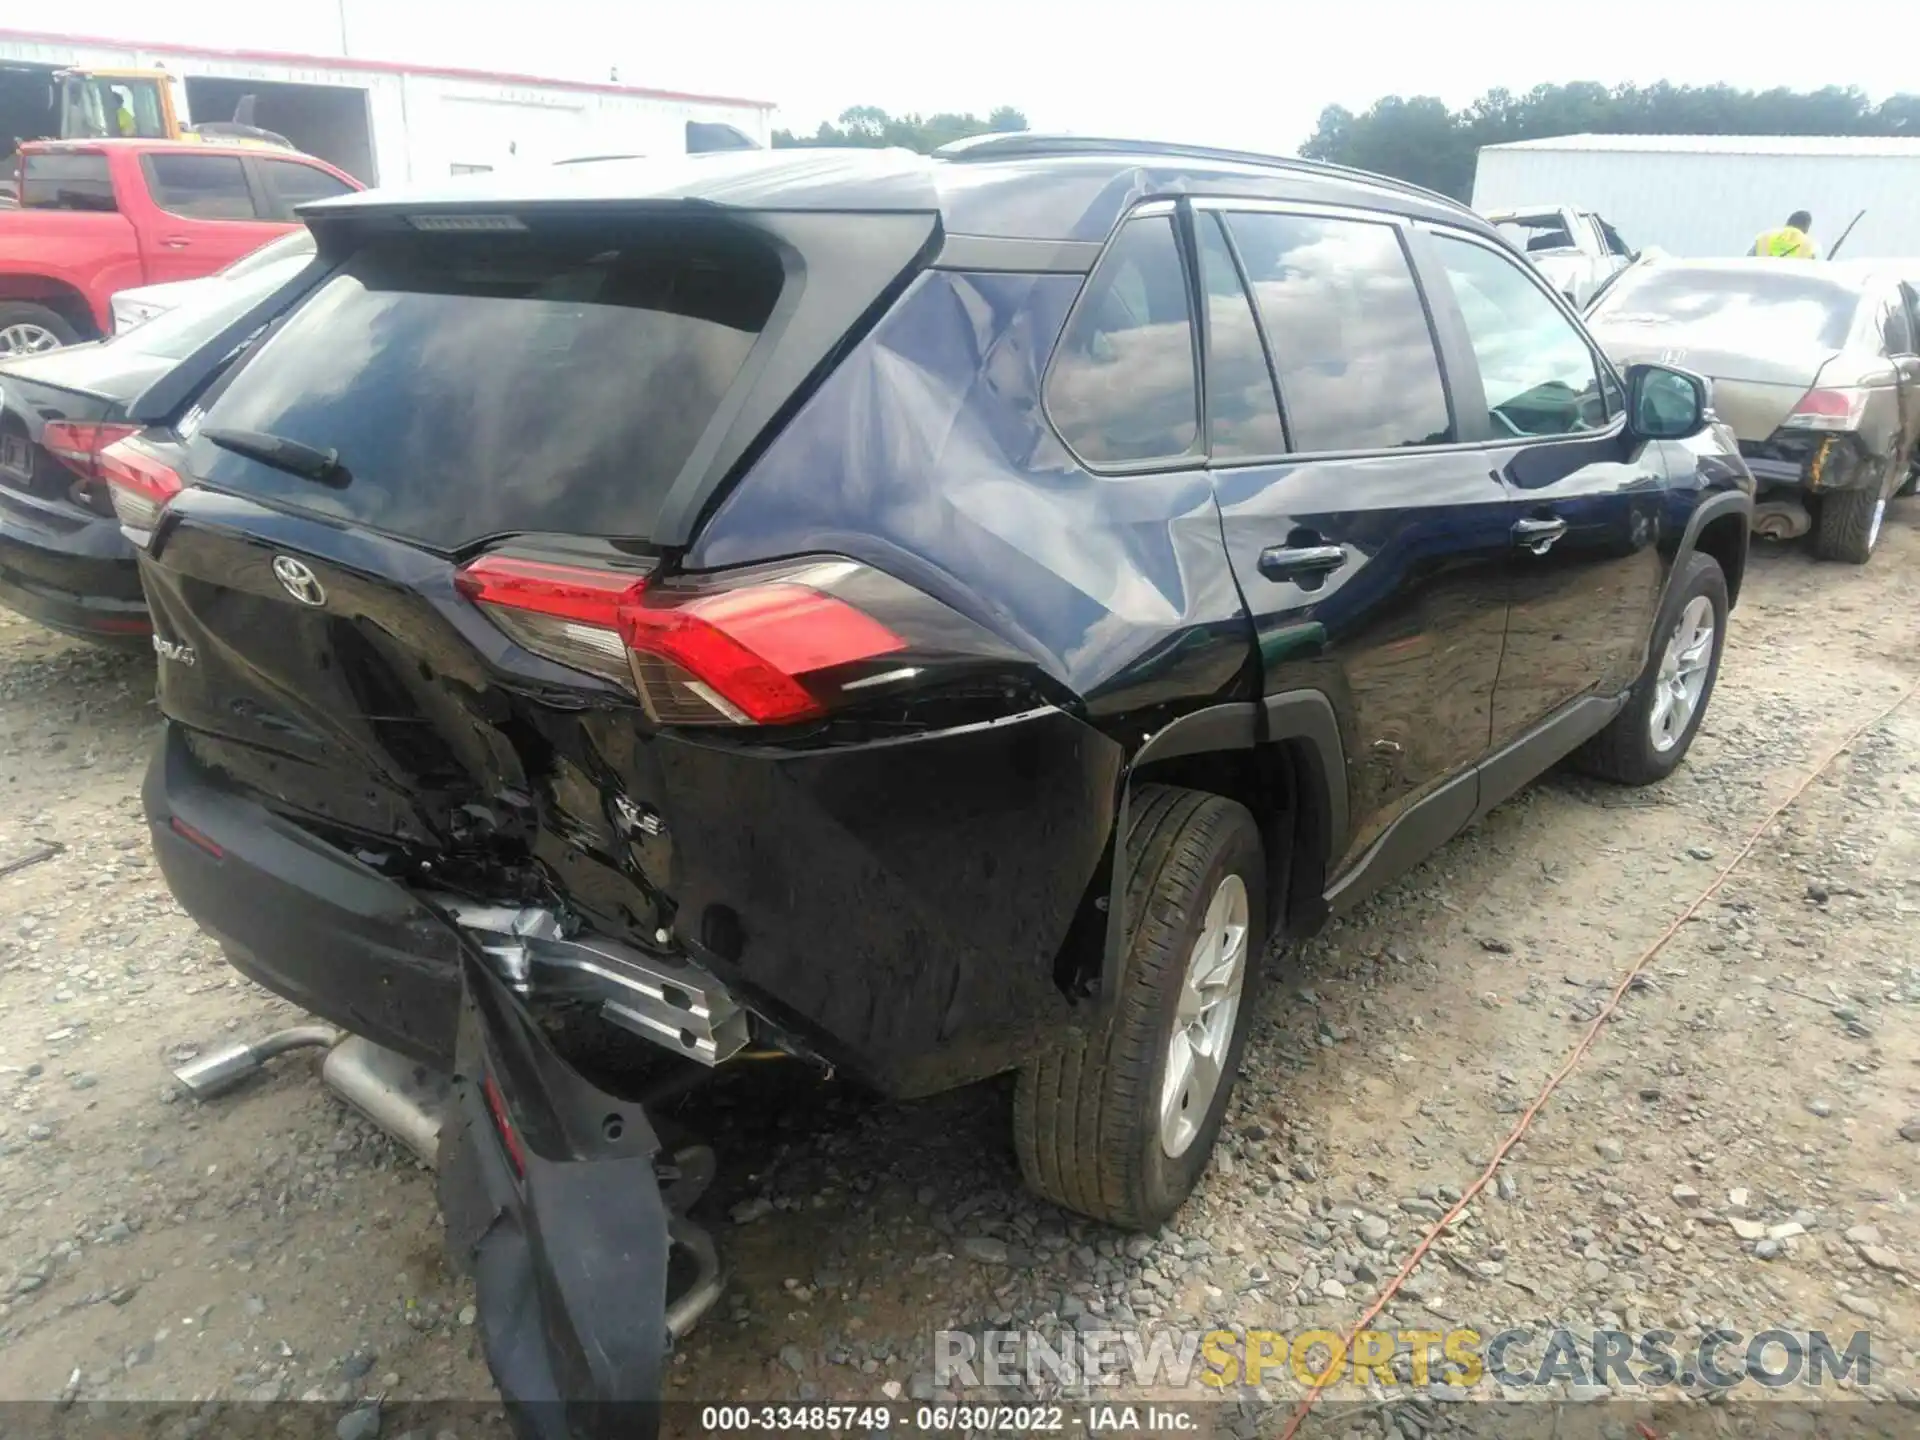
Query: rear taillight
[1835,409]
[77,443]
[503,1125]
[772,645]
[141,484]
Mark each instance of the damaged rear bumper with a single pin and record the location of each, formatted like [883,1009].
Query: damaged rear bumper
[1810,462]
[559,1201]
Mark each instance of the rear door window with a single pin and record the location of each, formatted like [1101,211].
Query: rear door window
[200,187]
[290,183]
[477,385]
[1354,353]
[67,180]
[1124,388]
[1243,415]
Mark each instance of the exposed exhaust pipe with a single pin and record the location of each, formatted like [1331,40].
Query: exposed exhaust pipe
[219,1072]
[401,1096]
[1781,520]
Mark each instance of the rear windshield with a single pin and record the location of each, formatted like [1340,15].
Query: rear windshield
[475,385]
[1762,306]
[218,300]
[1538,234]
[298,242]
[66,180]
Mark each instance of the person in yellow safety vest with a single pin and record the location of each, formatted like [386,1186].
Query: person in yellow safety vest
[1790,242]
[123,118]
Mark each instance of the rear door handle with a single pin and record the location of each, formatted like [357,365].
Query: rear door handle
[175,242]
[1291,562]
[1538,535]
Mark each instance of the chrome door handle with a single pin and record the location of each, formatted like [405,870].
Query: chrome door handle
[1285,562]
[1538,535]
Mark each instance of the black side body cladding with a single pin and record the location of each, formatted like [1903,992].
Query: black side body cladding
[1302,715]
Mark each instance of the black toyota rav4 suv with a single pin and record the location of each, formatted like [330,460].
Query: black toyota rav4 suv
[931,616]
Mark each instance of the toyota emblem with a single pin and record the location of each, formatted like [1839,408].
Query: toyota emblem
[298,580]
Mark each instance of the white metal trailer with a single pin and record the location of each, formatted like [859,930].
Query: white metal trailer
[387,123]
[1709,195]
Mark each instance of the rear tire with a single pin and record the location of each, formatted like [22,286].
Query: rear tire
[1630,750]
[27,329]
[1095,1125]
[1848,525]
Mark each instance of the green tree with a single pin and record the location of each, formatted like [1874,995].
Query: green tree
[1421,140]
[868,126]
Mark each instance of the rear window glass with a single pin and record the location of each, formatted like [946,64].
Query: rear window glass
[1357,365]
[200,187]
[1761,305]
[295,184]
[1539,234]
[299,242]
[175,334]
[477,385]
[67,182]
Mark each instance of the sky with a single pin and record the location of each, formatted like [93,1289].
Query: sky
[1224,72]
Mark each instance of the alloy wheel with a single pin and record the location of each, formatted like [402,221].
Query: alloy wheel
[26,338]
[1203,1023]
[1682,678]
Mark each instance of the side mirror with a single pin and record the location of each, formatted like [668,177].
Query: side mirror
[1666,404]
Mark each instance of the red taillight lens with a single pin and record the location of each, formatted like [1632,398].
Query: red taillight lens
[510,1142]
[1839,409]
[140,482]
[743,652]
[193,837]
[77,443]
[735,650]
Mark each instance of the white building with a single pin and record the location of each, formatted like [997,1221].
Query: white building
[1709,195]
[385,122]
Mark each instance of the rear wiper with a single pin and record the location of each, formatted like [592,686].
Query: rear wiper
[306,461]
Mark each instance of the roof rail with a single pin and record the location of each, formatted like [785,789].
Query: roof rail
[1016,144]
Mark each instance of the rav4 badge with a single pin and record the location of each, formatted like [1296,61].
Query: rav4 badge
[171,650]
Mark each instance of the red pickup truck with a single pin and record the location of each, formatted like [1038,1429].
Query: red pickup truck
[98,216]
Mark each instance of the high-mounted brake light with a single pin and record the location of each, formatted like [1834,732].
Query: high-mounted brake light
[77,443]
[735,652]
[140,482]
[1834,409]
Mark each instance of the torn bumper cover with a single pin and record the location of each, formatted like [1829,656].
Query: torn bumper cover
[1805,460]
[552,1191]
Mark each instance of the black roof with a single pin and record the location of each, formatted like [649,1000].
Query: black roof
[1021,186]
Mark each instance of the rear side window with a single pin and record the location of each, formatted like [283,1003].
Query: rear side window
[67,182]
[477,385]
[200,187]
[1123,388]
[1351,345]
[1540,378]
[1243,415]
[292,183]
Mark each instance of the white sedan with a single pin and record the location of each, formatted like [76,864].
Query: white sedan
[139,305]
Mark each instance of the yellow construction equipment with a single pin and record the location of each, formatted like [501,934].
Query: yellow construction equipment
[138,104]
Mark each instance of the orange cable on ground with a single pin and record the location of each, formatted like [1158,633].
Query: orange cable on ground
[1579,1051]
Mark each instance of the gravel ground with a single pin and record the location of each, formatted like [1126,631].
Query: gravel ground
[1736,1149]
